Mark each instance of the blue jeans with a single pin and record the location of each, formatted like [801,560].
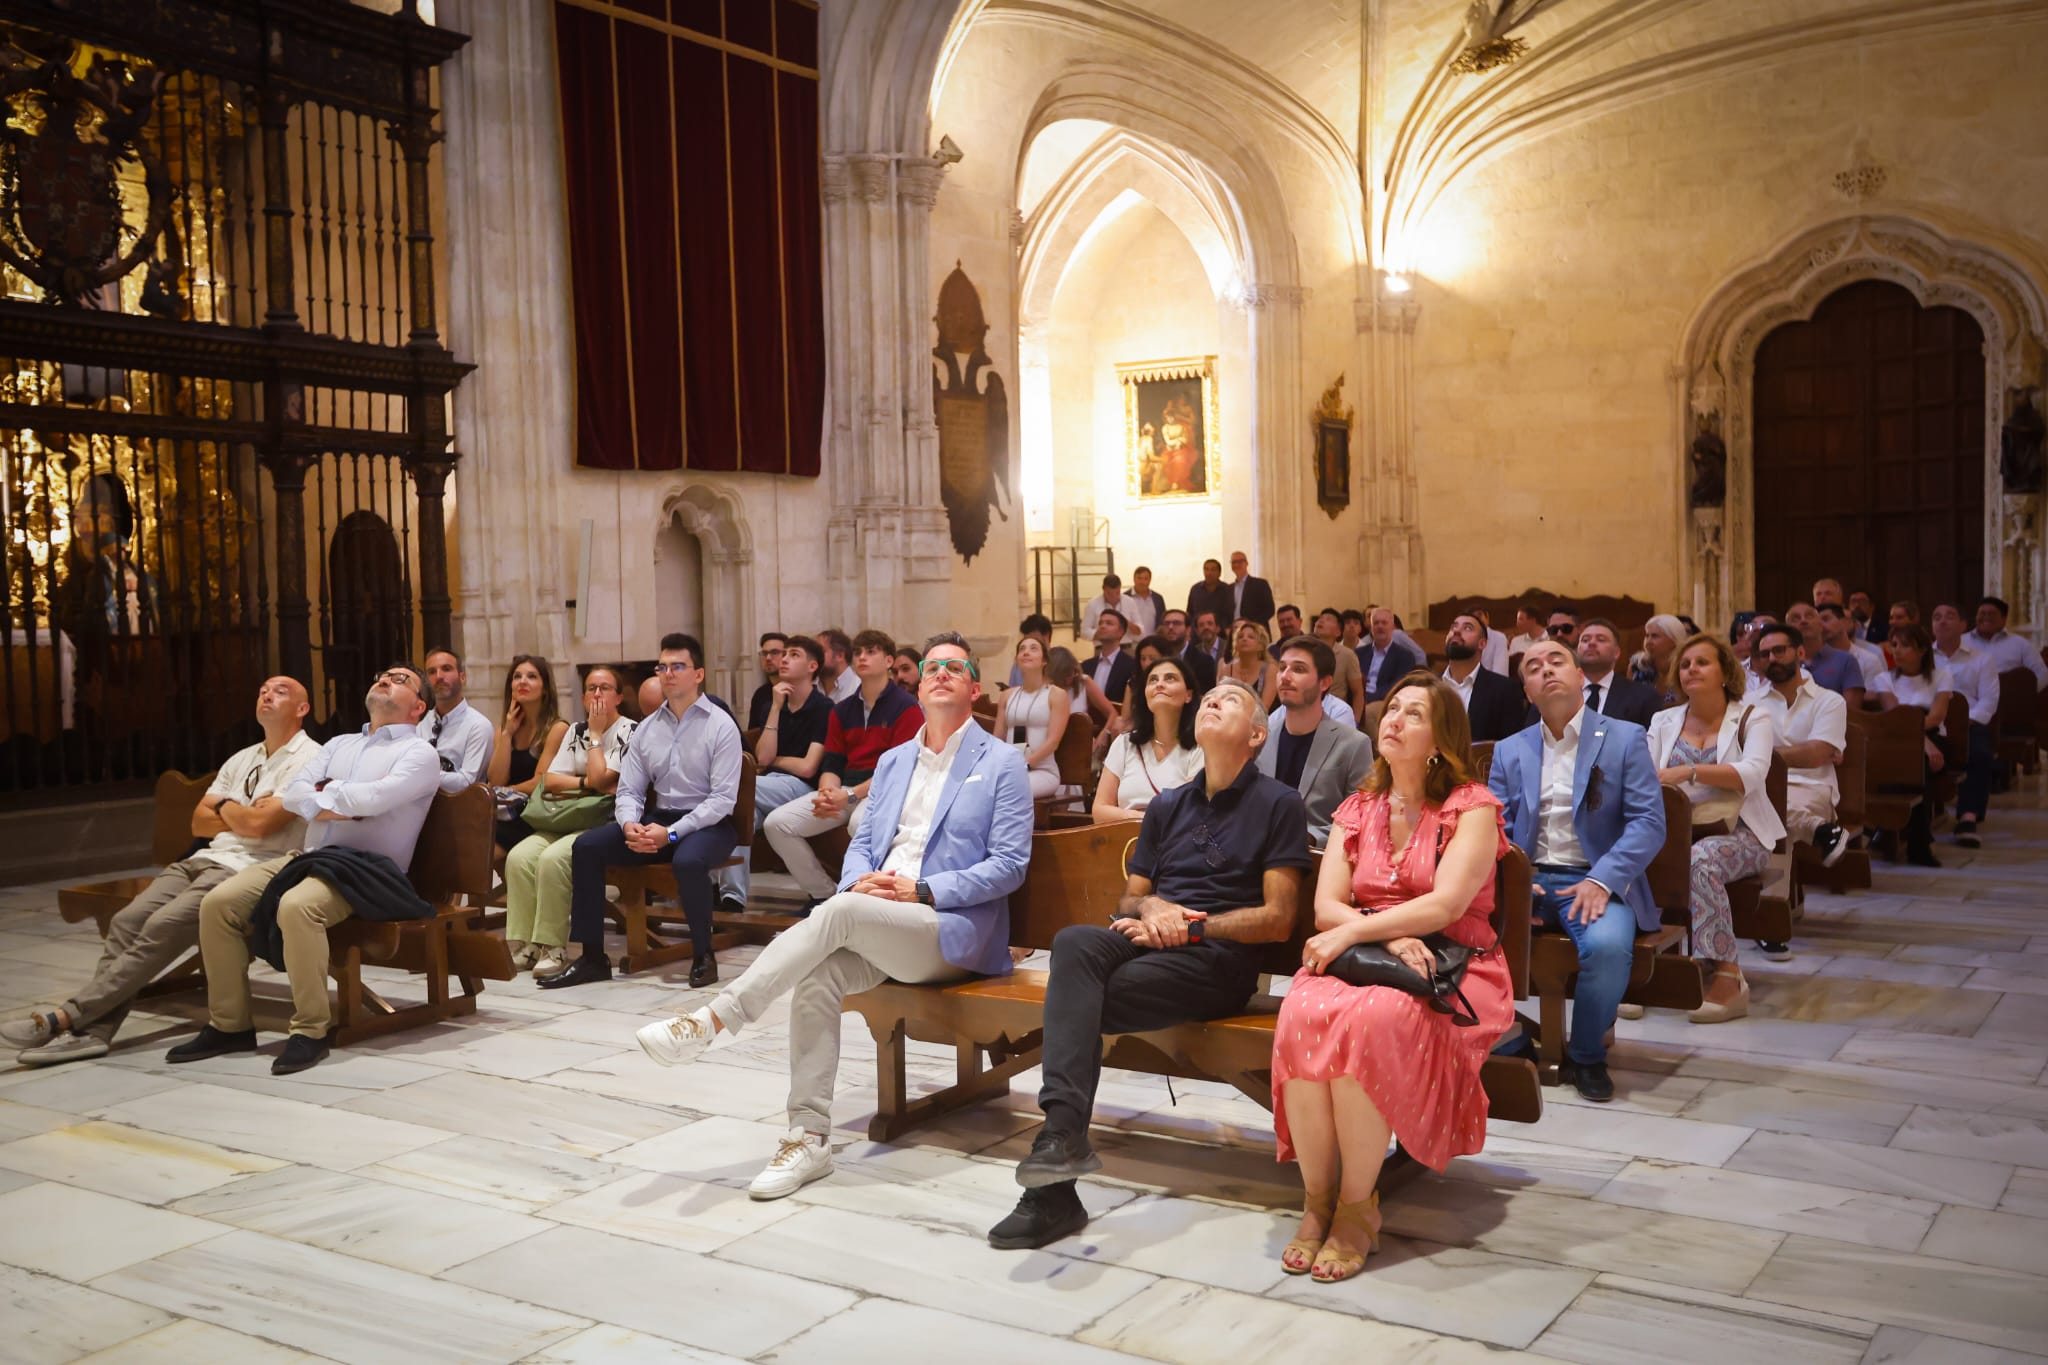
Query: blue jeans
[771,789]
[1607,948]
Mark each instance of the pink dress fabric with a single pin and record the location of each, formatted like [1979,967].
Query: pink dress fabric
[1419,1069]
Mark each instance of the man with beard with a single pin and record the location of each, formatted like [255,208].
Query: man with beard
[1201,665]
[1322,756]
[1812,724]
[1348,684]
[1492,703]
[1609,691]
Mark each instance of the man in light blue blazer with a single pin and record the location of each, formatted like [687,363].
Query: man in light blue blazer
[923,897]
[1580,796]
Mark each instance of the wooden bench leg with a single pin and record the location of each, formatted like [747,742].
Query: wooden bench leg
[896,1113]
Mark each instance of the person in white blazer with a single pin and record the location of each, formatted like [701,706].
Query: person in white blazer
[1717,750]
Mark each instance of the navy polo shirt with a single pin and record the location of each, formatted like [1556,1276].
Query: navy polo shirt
[1211,854]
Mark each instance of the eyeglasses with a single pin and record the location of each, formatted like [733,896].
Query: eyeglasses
[952,668]
[672,668]
[1213,853]
[1562,630]
[599,687]
[406,676]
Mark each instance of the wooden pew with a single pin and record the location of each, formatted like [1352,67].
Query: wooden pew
[1074,757]
[1482,758]
[1755,914]
[995,1024]
[1894,765]
[648,905]
[2017,725]
[1851,871]
[1661,973]
[177,796]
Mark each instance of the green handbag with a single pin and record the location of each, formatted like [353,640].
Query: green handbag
[551,814]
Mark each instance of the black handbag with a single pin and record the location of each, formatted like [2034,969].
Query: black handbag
[1371,964]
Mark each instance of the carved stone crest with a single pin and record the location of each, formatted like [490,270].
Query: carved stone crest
[972,410]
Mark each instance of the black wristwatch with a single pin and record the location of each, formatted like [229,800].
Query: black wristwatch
[1194,931]
[924,892]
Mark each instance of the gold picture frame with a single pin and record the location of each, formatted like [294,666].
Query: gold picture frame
[1172,438]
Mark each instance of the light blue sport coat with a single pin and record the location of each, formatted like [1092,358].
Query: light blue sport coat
[976,852]
[1624,834]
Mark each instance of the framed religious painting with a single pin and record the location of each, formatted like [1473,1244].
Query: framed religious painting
[1171,433]
[1333,450]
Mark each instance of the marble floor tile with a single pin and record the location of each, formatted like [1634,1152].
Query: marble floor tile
[187,1340]
[50,1322]
[1771,1037]
[1607,1327]
[80,1234]
[671,1210]
[1238,1175]
[698,1300]
[1603,1130]
[316,1301]
[80,1088]
[1761,1201]
[2014,1140]
[1799,1111]
[1898,1346]
[1636,1092]
[2018,1018]
[1038,1290]
[525,1112]
[130,1163]
[1517,1164]
[404,1228]
[609,1029]
[26,1120]
[519,1055]
[503,1175]
[1580,1232]
[2027,1193]
[1974,959]
[1898,968]
[347,1072]
[1982,1058]
[940,1191]
[717,1149]
[876,1332]
[2013,1241]
[1210,1243]
[705,1087]
[1836,1000]
[1859,1080]
[604,1345]
[1948,1298]
[1881,1170]
[290,1130]
[1457,1291]
[1735,1303]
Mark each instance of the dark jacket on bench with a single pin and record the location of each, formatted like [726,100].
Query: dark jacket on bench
[374,887]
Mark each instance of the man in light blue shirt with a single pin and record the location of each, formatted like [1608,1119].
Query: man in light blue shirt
[462,736]
[688,751]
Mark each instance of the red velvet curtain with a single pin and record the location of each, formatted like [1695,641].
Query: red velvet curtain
[695,250]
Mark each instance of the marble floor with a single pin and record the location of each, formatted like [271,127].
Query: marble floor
[1856,1173]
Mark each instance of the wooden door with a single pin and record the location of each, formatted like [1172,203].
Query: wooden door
[1869,451]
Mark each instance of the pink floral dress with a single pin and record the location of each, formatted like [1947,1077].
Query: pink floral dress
[1419,1069]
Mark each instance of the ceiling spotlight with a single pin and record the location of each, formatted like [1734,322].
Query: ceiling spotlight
[1395,283]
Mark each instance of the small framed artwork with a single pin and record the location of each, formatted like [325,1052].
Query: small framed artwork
[1333,450]
[1170,429]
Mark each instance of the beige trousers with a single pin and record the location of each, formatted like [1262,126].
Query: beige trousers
[303,917]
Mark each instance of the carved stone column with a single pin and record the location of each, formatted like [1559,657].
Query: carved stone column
[2021,551]
[1390,558]
[1284,483]
[1710,604]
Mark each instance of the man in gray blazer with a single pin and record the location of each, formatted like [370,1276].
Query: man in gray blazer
[1323,759]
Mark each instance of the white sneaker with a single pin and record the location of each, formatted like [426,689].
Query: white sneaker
[681,1039]
[550,963]
[1628,1011]
[799,1159]
[523,954]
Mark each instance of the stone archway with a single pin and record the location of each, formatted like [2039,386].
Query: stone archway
[1716,389]
[717,520]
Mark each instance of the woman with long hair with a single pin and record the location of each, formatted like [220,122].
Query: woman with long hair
[1657,663]
[1158,752]
[1716,748]
[1918,677]
[527,736]
[1411,856]
[1249,661]
[1033,717]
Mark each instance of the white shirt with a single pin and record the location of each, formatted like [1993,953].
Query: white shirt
[1102,666]
[247,778]
[1814,713]
[382,781]
[843,686]
[572,759]
[1495,655]
[1912,691]
[1977,683]
[914,822]
[2006,651]
[1141,612]
[1871,658]
[1092,613]
[1142,775]
[462,739]
[1556,841]
[1463,689]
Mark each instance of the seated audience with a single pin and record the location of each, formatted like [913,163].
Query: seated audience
[1354,629]
[1917,677]
[1382,660]
[1656,666]
[1217,868]
[1209,640]
[2001,650]
[1493,705]
[1249,663]
[1903,613]
[537,870]
[1032,719]
[1141,606]
[1578,792]
[366,792]
[243,819]
[1495,654]
[1840,633]
[1529,628]
[1112,668]
[904,671]
[1319,753]
[1607,690]
[1111,598]
[1201,665]
[1158,752]
[1035,626]
[526,740]
[1812,724]
[1063,671]
[923,897]
[773,644]
[837,676]
[1251,596]
[1838,670]
[647,696]
[1562,624]
[460,734]
[1356,1069]
[1286,625]
[1754,683]
[789,752]
[1347,684]
[1717,750]
[687,754]
[1978,684]
[878,717]
[1211,595]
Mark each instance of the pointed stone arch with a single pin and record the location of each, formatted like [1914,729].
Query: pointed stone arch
[718,520]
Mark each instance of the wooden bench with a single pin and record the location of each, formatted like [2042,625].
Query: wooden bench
[996,1024]
[1851,871]
[1757,909]
[649,908]
[2017,725]
[1073,756]
[1894,772]
[451,870]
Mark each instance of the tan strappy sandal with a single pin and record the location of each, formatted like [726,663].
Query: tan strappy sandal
[1323,1206]
[1331,1265]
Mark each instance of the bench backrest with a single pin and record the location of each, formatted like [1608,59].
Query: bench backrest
[452,859]
[1893,756]
[1850,775]
[2016,716]
[177,796]
[1482,758]
[1077,744]
[1955,733]
[1670,871]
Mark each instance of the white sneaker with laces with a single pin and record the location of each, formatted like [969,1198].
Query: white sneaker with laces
[799,1159]
[550,963]
[675,1041]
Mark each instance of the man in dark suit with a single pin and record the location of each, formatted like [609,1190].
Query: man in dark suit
[1608,690]
[1492,703]
[1201,664]
[1212,594]
[1111,668]
[1383,661]
[1251,598]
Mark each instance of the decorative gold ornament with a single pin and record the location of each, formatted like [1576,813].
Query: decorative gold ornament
[1495,52]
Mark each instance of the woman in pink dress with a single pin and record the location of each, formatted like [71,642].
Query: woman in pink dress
[1411,854]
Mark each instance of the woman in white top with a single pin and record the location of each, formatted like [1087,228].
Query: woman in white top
[1158,752]
[586,762]
[1033,717]
[1717,749]
[1918,677]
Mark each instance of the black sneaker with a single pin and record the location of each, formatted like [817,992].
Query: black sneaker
[1831,842]
[704,971]
[584,970]
[300,1052]
[212,1042]
[731,905]
[1055,1158]
[1966,834]
[1590,1079]
[1042,1217]
[1776,952]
